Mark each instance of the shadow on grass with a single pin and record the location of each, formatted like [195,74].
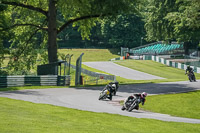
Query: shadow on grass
[114,51]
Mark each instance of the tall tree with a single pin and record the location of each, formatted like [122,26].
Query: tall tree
[30,17]
[157,26]
[177,20]
[3,35]
[186,21]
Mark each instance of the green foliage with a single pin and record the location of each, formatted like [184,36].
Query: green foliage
[172,20]
[3,35]
[157,26]
[124,31]
[186,20]
[29,22]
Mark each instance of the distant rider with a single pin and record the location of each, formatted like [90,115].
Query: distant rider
[190,70]
[140,98]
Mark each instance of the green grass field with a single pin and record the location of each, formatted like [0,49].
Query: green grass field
[22,117]
[182,105]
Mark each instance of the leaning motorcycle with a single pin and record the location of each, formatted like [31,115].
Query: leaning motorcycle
[104,93]
[130,104]
[191,76]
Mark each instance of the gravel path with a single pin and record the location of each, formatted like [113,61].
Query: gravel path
[87,98]
[121,71]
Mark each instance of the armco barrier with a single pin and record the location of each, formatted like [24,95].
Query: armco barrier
[42,80]
[170,63]
[95,74]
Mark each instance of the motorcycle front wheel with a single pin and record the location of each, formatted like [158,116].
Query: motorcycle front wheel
[123,108]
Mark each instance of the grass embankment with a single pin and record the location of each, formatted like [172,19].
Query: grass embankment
[169,73]
[91,54]
[20,116]
[183,104]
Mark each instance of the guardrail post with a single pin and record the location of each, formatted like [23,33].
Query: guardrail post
[78,70]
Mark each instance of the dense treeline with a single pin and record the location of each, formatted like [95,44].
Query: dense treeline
[36,28]
[124,31]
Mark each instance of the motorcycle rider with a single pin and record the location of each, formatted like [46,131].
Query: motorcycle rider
[140,98]
[115,86]
[112,87]
[190,70]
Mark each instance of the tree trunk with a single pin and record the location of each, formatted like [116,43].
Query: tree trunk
[52,32]
[186,48]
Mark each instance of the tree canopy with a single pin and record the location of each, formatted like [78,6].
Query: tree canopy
[125,31]
[35,26]
[29,19]
[173,20]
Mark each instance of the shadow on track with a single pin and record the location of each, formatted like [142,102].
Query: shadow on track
[155,88]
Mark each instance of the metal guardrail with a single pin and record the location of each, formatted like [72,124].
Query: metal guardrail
[95,74]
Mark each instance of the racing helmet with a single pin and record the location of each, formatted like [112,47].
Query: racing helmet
[144,94]
[188,66]
[113,85]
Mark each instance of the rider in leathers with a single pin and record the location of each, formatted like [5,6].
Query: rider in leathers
[140,99]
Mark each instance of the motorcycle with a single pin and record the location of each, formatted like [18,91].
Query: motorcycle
[130,104]
[191,76]
[112,88]
[104,93]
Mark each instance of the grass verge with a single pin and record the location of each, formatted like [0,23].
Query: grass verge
[183,104]
[158,69]
[20,116]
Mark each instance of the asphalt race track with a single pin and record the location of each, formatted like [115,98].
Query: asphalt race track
[86,98]
[115,69]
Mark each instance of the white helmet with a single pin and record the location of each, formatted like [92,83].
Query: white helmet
[144,94]
[114,85]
